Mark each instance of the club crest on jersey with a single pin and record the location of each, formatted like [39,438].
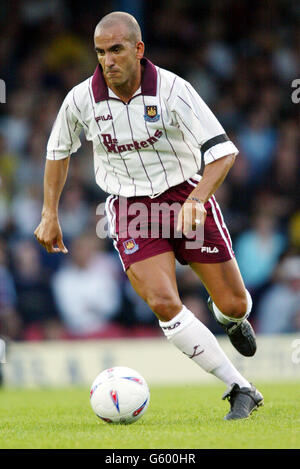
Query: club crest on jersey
[151,114]
[130,246]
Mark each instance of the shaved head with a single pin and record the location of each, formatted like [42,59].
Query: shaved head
[119,50]
[118,18]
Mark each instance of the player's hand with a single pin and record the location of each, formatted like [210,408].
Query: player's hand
[191,217]
[49,235]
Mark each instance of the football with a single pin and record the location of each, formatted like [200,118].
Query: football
[119,395]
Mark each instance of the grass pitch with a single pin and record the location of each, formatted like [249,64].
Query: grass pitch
[178,417]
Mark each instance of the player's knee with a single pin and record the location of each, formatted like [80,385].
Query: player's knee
[164,307]
[235,307]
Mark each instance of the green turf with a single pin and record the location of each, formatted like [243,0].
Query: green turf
[178,417]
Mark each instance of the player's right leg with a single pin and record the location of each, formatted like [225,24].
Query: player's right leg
[155,281]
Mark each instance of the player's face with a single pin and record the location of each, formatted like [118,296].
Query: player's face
[118,56]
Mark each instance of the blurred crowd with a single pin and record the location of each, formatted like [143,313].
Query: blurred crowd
[241,57]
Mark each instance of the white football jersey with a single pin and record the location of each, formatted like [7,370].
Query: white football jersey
[163,136]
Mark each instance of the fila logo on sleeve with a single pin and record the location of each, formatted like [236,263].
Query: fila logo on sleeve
[104,118]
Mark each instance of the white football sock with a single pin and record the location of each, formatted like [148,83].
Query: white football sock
[226,319]
[196,341]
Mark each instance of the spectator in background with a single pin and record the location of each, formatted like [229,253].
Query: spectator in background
[9,162]
[31,167]
[10,323]
[74,211]
[86,289]
[15,125]
[194,296]
[140,311]
[279,308]
[294,230]
[258,249]
[257,141]
[199,77]
[285,60]
[194,301]
[8,165]
[26,209]
[35,303]
[284,178]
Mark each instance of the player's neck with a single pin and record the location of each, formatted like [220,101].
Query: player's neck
[127,90]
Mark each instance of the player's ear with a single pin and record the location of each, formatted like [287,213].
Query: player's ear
[140,49]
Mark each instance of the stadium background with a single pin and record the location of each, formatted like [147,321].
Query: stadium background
[242,58]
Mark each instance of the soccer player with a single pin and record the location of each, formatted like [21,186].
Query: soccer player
[156,142]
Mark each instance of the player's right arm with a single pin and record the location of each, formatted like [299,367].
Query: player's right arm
[48,233]
[63,141]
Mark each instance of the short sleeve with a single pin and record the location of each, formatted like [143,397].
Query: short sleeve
[199,124]
[64,138]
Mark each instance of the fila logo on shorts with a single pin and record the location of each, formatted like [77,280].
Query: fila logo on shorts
[209,250]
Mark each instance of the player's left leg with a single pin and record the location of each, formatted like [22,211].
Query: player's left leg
[154,280]
[229,302]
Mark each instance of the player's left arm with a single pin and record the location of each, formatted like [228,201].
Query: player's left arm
[201,127]
[213,176]
[193,208]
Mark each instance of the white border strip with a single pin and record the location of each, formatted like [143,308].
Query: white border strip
[219,227]
[223,222]
[111,215]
